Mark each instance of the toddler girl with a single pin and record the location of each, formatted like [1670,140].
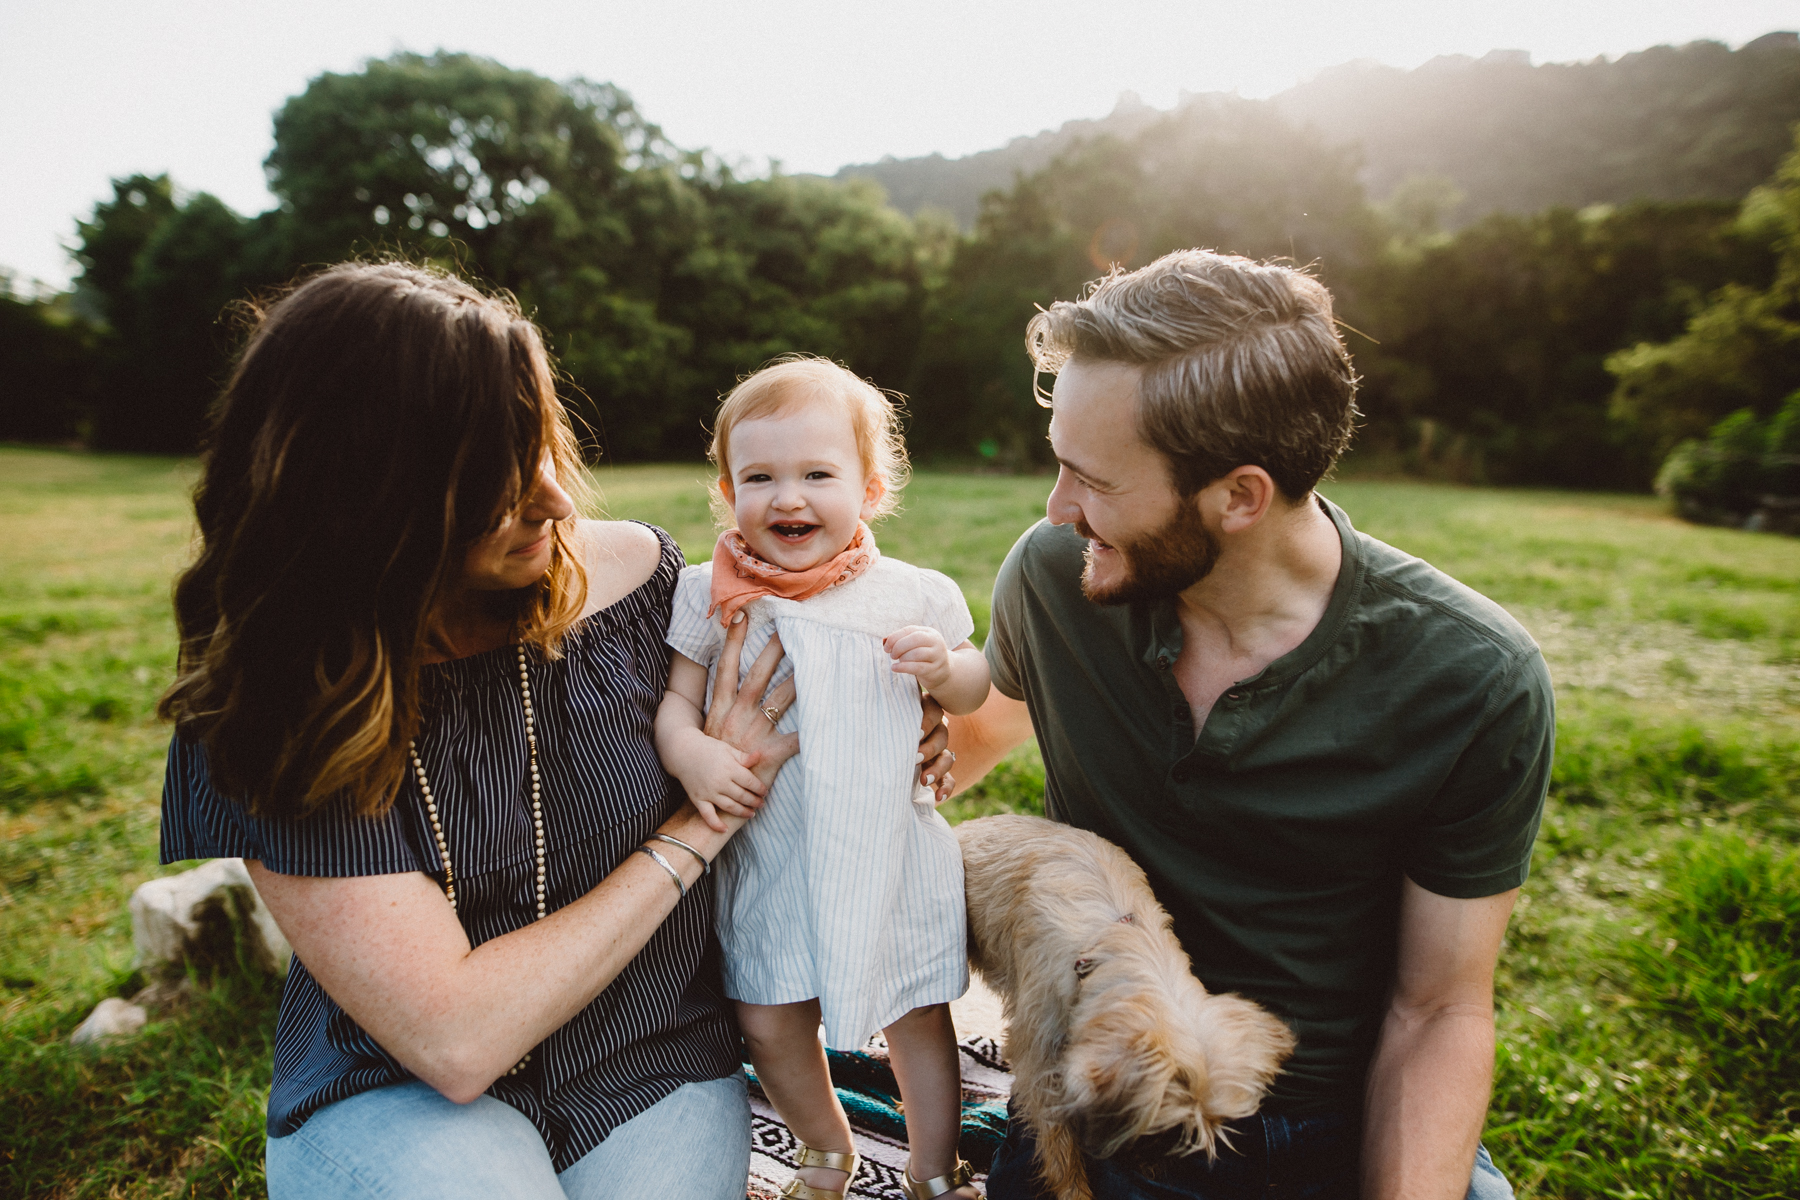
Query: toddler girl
[842,901]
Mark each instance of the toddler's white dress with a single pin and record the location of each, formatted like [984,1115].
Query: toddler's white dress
[847,885]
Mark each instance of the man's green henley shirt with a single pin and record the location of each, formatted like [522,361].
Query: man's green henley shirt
[1409,734]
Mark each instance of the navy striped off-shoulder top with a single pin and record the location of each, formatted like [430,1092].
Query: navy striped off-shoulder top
[661,1023]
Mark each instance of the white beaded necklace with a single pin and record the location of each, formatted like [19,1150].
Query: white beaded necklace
[537,809]
[537,799]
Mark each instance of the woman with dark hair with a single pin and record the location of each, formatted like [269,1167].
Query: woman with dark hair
[416,695]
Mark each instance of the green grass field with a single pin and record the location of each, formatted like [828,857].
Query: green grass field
[1649,998]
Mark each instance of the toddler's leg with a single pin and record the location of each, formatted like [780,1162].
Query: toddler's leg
[922,1047]
[783,1040]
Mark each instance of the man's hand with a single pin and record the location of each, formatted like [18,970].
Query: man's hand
[985,736]
[935,759]
[1433,1068]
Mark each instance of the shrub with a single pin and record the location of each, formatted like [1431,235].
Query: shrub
[1746,472]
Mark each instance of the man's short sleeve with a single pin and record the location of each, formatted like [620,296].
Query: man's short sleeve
[1476,839]
[1005,626]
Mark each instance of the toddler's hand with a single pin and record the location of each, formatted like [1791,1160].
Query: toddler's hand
[716,780]
[920,650]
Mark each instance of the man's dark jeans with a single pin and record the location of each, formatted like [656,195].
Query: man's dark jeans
[1272,1157]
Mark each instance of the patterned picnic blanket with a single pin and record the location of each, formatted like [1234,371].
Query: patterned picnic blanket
[865,1085]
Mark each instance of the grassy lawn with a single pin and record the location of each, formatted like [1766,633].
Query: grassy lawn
[1650,990]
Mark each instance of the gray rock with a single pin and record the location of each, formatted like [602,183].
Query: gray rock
[209,915]
[111,1018]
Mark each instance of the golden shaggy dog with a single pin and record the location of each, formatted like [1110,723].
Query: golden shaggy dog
[1110,1036]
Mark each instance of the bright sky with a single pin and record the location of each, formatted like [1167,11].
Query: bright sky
[93,90]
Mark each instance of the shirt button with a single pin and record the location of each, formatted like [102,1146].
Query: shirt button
[1162,662]
[1234,695]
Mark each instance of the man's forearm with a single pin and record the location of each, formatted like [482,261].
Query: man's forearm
[1426,1103]
[987,735]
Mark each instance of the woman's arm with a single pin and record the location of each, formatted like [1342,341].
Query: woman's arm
[390,950]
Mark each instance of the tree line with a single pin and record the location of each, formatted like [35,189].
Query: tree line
[1565,346]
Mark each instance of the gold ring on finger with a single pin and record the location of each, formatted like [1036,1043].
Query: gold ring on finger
[773,713]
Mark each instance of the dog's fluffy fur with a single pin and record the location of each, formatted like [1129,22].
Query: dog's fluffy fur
[1110,1036]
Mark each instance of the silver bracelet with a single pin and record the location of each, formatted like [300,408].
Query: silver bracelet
[704,861]
[667,866]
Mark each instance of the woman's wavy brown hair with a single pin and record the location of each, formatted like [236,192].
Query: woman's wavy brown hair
[381,418]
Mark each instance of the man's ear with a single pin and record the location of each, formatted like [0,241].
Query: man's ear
[873,491]
[1245,495]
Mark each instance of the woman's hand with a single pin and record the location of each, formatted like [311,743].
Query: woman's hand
[740,716]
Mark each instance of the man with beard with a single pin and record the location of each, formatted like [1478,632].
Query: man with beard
[1329,758]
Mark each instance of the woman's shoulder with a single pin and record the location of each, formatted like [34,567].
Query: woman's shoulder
[623,556]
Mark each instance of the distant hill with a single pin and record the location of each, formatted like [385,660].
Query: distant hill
[957,184]
[1699,121]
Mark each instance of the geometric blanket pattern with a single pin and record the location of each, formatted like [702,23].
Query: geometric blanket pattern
[871,1099]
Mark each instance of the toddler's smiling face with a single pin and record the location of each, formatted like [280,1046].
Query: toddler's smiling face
[797,484]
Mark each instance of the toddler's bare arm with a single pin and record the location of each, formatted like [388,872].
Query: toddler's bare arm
[713,774]
[958,677]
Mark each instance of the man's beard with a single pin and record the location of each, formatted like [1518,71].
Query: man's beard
[1159,565]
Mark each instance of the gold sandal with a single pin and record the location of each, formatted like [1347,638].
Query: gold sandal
[926,1189]
[836,1160]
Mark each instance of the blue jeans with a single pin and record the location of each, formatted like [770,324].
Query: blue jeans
[1272,1158]
[407,1142]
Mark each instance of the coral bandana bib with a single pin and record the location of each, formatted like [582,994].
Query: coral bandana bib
[739,575]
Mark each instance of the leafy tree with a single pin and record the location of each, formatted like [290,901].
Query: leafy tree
[1489,346]
[805,264]
[173,343]
[1745,468]
[161,272]
[1741,350]
[115,236]
[62,352]
[1230,175]
[972,388]
[518,170]
[659,275]
[49,382]
[560,193]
